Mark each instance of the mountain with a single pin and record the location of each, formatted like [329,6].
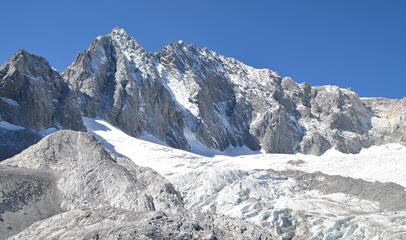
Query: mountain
[34,100]
[68,187]
[193,98]
[97,152]
[189,98]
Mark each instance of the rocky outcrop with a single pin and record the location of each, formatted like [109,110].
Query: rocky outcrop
[69,187]
[190,98]
[186,95]
[85,169]
[115,82]
[389,120]
[109,223]
[26,196]
[34,98]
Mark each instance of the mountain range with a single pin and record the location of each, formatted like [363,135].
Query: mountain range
[190,98]
[185,143]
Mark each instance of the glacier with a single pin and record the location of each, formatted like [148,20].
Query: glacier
[332,196]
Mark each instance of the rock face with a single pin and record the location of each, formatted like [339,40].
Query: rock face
[35,97]
[13,141]
[185,96]
[85,169]
[80,191]
[192,98]
[116,81]
[389,122]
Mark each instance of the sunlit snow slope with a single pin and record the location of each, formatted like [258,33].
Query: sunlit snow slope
[290,195]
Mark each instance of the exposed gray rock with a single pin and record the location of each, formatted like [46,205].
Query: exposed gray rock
[35,97]
[115,81]
[389,121]
[110,223]
[85,176]
[80,191]
[390,196]
[26,196]
[183,93]
[89,176]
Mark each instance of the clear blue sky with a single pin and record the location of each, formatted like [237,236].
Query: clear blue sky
[351,43]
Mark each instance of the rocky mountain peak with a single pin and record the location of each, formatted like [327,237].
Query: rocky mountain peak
[29,63]
[118,31]
[196,99]
[203,100]
[34,99]
[125,43]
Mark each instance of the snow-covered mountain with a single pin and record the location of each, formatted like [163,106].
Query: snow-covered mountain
[189,144]
[193,99]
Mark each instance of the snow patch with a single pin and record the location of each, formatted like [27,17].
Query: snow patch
[10,101]
[47,131]
[10,126]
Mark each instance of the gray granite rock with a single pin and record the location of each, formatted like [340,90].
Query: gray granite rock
[68,187]
[183,93]
[35,99]
[34,96]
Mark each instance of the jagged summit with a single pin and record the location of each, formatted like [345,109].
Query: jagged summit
[23,57]
[78,185]
[119,31]
[34,99]
[124,40]
[196,99]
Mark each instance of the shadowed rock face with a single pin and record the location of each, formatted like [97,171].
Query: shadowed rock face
[183,93]
[35,97]
[15,141]
[73,189]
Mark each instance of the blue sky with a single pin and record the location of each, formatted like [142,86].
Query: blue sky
[351,43]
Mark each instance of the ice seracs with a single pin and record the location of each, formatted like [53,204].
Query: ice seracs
[334,196]
[216,150]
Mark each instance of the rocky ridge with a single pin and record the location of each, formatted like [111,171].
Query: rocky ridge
[34,100]
[188,96]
